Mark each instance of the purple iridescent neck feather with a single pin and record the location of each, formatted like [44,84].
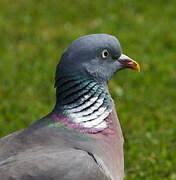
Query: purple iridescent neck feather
[82,104]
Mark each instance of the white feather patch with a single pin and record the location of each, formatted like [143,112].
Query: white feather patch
[88,111]
[102,125]
[85,105]
[79,116]
[96,121]
[93,117]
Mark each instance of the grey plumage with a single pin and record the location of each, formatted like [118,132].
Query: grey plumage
[39,152]
[81,138]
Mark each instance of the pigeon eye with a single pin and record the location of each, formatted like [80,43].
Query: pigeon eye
[105,54]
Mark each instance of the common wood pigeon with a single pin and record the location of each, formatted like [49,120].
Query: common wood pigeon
[81,139]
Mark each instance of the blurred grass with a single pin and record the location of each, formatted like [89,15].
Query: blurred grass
[34,33]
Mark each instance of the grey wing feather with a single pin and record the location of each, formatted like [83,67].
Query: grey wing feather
[62,164]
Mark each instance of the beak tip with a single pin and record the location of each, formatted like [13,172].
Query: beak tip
[136,66]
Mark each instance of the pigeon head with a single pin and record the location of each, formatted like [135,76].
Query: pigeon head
[82,74]
[97,56]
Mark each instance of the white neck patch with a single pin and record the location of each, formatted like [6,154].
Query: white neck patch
[91,114]
[86,102]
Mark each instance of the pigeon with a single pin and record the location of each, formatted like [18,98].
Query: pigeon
[81,138]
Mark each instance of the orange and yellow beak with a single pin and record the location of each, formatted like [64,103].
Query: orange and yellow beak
[128,62]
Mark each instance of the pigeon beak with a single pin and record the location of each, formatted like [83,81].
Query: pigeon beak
[128,62]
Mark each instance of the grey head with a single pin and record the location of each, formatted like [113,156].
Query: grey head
[97,56]
[82,74]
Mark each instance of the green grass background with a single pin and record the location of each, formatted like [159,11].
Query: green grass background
[33,34]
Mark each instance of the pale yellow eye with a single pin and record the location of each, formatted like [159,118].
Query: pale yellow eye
[104,53]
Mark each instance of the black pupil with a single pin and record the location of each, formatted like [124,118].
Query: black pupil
[105,53]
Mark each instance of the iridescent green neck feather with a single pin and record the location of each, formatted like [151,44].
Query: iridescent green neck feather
[83,101]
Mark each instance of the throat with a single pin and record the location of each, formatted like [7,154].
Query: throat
[83,104]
